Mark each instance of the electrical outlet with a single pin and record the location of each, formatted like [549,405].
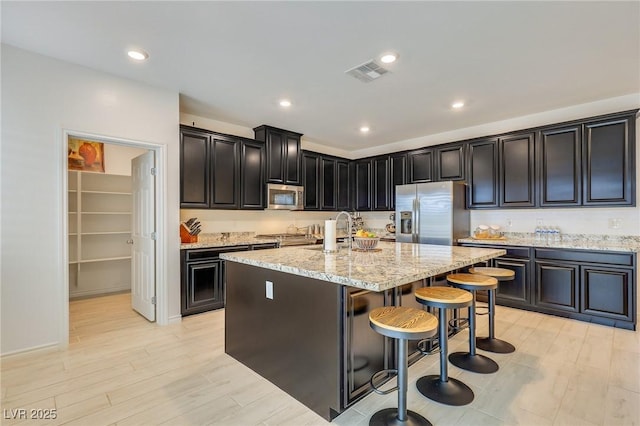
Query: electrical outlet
[269,289]
[614,223]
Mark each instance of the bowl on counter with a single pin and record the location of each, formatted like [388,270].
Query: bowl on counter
[366,243]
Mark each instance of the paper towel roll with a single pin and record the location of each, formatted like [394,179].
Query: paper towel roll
[330,235]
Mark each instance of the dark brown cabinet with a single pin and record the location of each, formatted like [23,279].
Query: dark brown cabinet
[326,182]
[381,183]
[559,166]
[607,292]
[557,286]
[398,174]
[609,157]
[482,183]
[311,180]
[420,166]
[362,192]
[283,154]
[220,171]
[343,185]
[516,177]
[195,180]
[450,162]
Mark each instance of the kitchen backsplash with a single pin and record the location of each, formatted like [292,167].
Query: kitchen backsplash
[595,221]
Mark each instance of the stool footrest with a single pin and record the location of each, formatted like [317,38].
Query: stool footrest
[458,324]
[375,375]
[423,342]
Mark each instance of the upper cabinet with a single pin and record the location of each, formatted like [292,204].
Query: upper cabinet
[362,192]
[420,165]
[220,171]
[326,181]
[283,154]
[559,164]
[450,162]
[482,182]
[398,163]
[609,161]
[516,176]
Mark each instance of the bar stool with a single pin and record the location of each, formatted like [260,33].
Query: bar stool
[472,361]
[404,324]
[442,388]
[491,344]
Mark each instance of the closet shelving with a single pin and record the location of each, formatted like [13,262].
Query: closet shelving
[99,230]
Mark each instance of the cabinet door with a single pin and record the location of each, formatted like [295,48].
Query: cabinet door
[559,166]
[450,162]
[365,349]
[328,186]
[398,175]
[225,174]
[557,286]
[420,166]
[607,292]
[311,180]
[381,183]
[252,191]
[483,174]
[516,187]
[343,186]
[363,185]
[517,290]
[194,170]
[292,160]
[203,290]
[275,156]
[609,162]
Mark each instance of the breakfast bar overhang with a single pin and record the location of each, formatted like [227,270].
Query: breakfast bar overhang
[289,312]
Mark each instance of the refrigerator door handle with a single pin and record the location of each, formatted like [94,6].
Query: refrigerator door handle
[416,226]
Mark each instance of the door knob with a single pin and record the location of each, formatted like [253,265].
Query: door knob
[129,241]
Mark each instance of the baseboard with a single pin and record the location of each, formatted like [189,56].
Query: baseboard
[39,348]
[175,319]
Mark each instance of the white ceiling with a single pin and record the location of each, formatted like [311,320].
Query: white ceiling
[233,61]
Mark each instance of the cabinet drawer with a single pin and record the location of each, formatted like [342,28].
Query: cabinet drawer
[523,252]
[210,253]
[625,259]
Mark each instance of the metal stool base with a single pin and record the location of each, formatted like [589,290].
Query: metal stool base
[476,363]
[389,416]
[494,345]
[451,392]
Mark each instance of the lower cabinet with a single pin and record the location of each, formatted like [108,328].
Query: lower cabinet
[203,277]
[594,286]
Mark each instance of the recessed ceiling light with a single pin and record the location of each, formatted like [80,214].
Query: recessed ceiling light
[285,103]
[457,105]
[388,58]
[138,55]
[364,129]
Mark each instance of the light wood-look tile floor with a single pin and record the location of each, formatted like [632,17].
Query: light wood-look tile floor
[122,370]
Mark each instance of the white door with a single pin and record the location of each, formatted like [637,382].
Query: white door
[143,277]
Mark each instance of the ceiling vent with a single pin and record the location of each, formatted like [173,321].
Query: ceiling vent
[368,71]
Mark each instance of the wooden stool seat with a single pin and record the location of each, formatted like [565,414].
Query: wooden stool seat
[501,274]
[443,297]
[404,324]
[400,322]
[473,281]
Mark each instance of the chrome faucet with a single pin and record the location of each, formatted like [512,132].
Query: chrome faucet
[349,226]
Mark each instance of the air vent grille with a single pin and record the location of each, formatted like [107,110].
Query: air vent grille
[368,71]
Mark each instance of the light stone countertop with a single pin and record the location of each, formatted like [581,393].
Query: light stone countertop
[234,239]
[394,265]
[572,241]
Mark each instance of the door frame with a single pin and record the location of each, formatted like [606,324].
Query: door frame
[162,305]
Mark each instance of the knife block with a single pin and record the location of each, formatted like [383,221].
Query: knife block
[185,236]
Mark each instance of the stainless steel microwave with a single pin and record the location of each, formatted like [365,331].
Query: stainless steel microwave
[285,197]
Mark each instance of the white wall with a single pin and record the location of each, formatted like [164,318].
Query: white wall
[117,158]
[41,97]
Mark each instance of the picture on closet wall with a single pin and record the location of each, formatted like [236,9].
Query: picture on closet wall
[85,155]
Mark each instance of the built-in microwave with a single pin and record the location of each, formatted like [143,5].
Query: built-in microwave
[285,197]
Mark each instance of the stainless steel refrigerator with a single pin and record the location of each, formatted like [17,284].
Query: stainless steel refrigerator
[431,213]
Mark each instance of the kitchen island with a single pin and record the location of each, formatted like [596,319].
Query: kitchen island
[298,317]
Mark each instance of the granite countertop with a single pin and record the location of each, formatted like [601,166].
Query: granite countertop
[572,241]
[234,239]
[394,265]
